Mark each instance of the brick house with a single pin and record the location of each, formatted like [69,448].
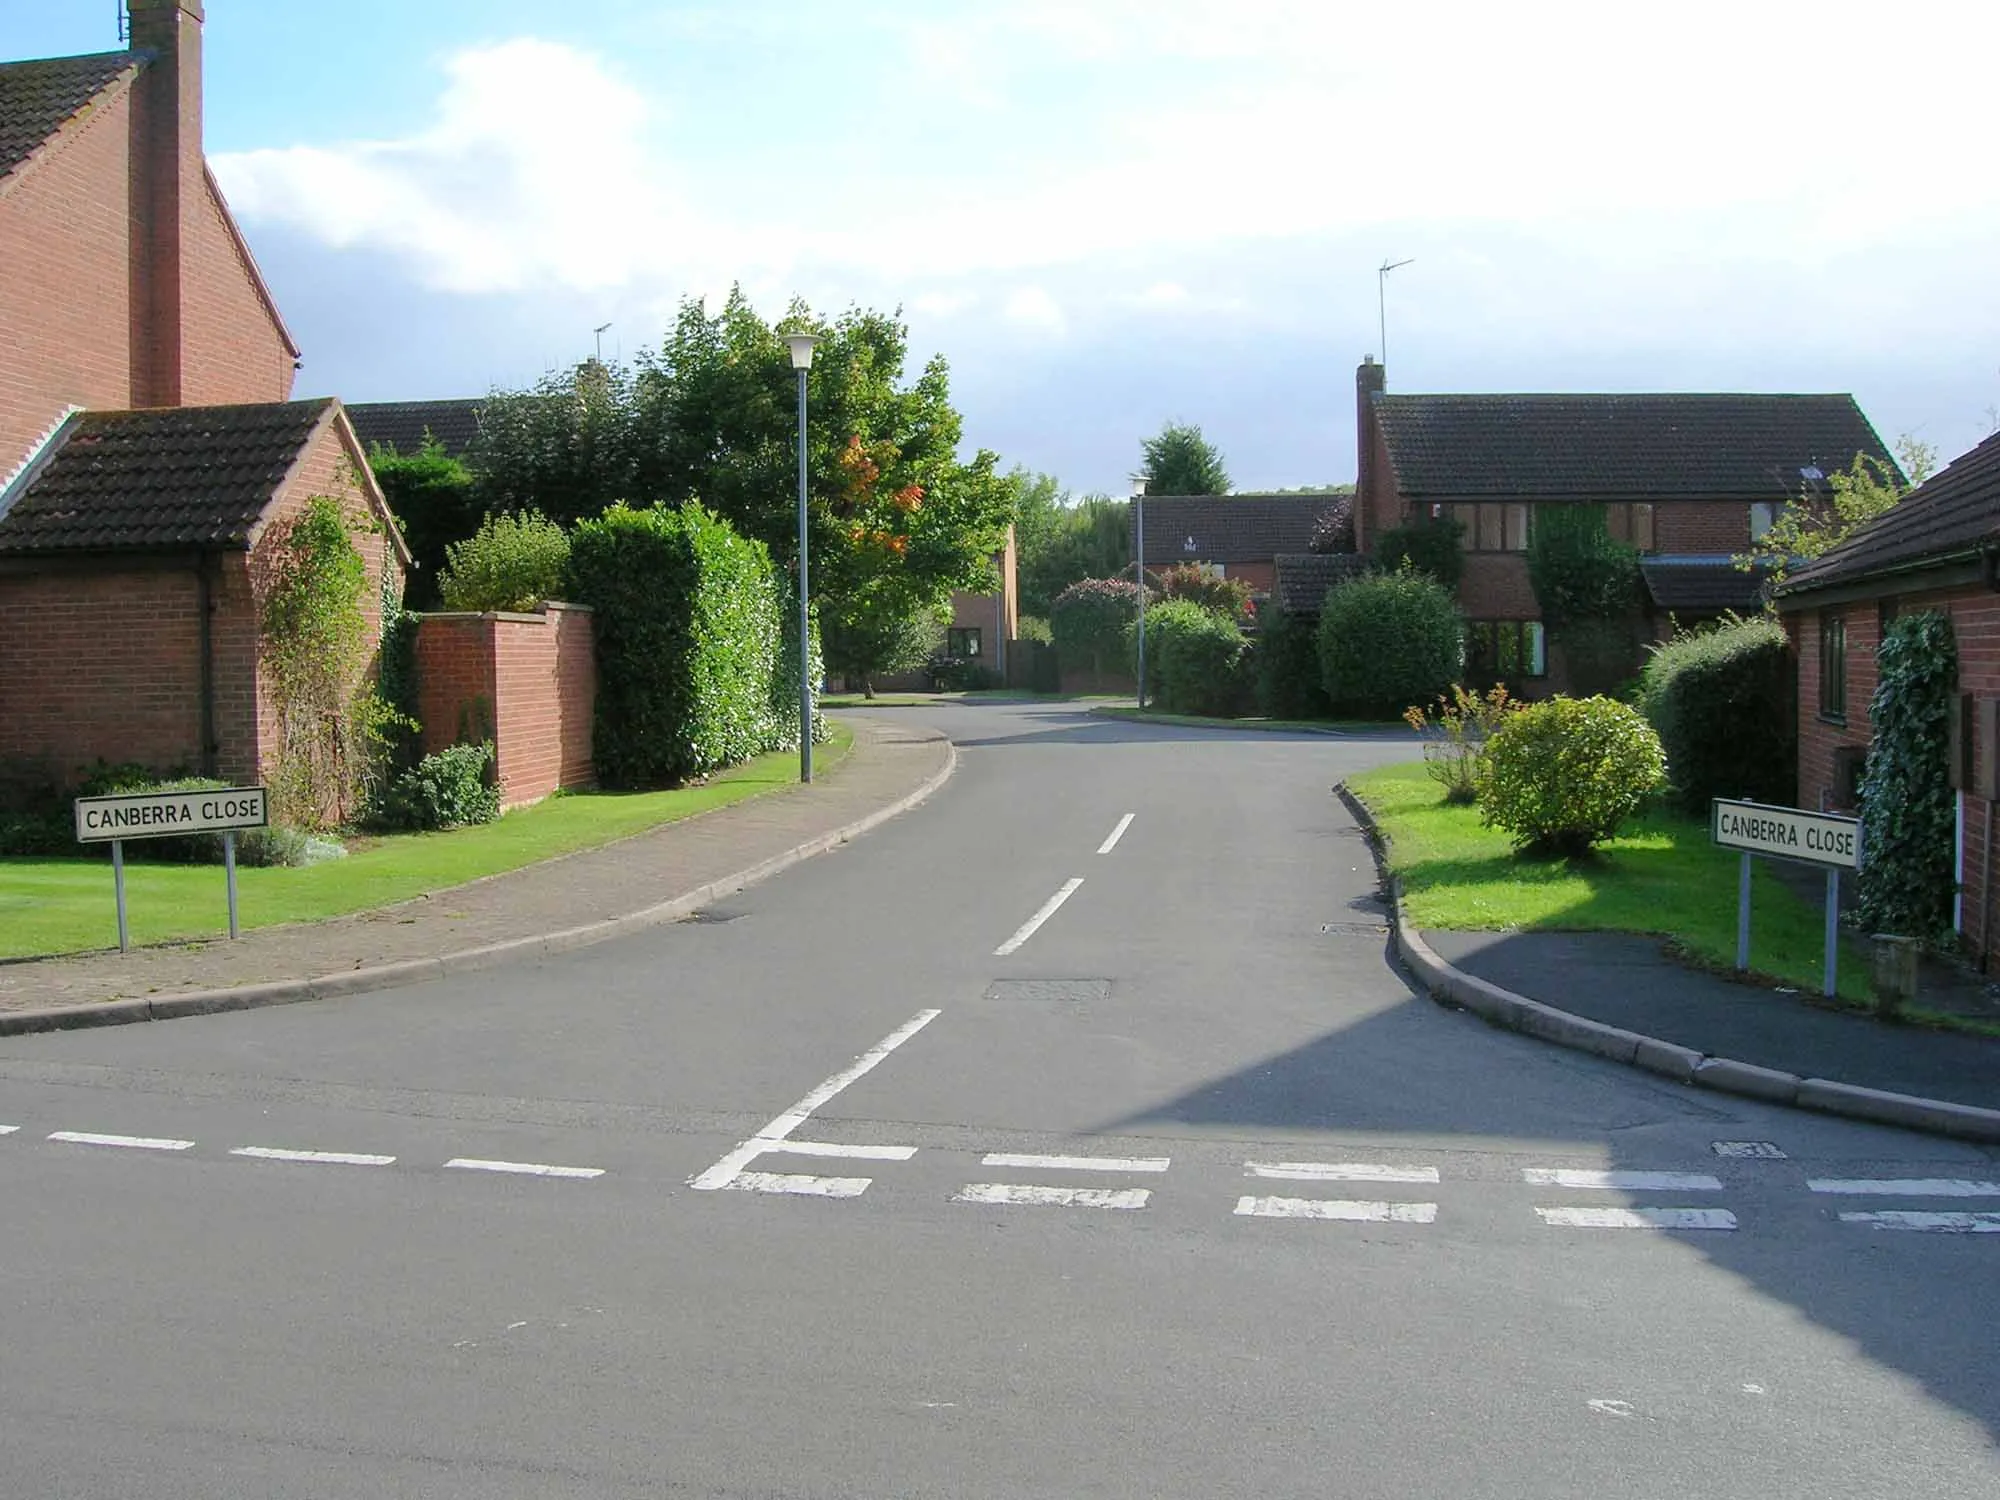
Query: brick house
[1689,480]
[148,447]
[1232,536]
[1938,549]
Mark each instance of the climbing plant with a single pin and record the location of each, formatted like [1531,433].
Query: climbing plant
[1907,816]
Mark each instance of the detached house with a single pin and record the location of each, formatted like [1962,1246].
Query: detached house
[1688,480]
[149,451]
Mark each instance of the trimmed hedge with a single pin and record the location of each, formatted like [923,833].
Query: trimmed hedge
[1560,776]
[1387,640]
[690,642]
[1289,684]
[1722,702]
[1194,659]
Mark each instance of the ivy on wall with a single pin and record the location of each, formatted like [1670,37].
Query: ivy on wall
[1907,807]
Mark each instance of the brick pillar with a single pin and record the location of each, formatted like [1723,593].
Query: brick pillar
[1370,379]
[167,181]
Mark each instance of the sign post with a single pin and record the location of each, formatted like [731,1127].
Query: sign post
[154,815]
[1819,839]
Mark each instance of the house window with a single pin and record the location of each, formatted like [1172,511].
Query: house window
[1505,651]
[1491,526]
[1631,523]
[1763,516]
[962,640]
[1833,668]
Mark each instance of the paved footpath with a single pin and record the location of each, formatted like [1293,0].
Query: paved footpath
[890,764]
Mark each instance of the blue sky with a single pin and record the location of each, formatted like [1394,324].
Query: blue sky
[1112,213]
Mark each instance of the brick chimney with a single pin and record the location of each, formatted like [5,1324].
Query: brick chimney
[167,188]
[1370,380]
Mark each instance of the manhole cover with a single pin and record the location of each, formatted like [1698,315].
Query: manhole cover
[1763,1150]
[1073,991]
[1352,929]
[713,916]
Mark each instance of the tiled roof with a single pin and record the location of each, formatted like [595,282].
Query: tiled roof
[38,96]
[1598,447]
[1954,512]
[195,476]
[1703,587]
[403,424]
[1228,528]
[1305,577]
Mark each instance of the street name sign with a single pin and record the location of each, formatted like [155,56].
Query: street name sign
[157,815]
[1788,833]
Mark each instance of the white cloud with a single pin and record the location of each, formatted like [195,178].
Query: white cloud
[1035,308]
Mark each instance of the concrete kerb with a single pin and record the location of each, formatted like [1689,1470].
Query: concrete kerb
[1453,986]
[468,960]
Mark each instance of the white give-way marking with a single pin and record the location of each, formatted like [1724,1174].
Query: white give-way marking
[724,1173]
[1076,1163]
[8,1129]
[523,1168]
[1934,1223]
[329,1158]
[1338,1171]
[1353,1211]
[1905,1187]
[1638,1218]
[1058,1197]
[133,1142]
[1638,1182]
[1049,908]
[1116,834]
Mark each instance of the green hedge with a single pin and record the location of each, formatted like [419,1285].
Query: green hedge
[687,618]
[1194,659]
[1388,640]
[1435,547]
[513,562]
[1722,702]
[1289,685]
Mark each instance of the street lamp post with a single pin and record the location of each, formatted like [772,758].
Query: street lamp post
[802,357]
[1139,571]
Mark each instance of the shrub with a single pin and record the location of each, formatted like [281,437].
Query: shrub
[1289,684]
[1092,622]
[1387,640]
[690,643]
[1721,700]
[1432,547]
[430,493]
[1561,776]
[453,788]
[1578,571]
[512,562]
[273,846]
[1226,596]
[959,674]
[1907,811]
[1193,659]
[1455,735]
[1034,628]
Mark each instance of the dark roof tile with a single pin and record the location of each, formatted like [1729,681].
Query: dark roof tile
[196,476]
[1701,588]
[403,424]
[1955,511]
[40,95]
[1228,528]
[1600,447]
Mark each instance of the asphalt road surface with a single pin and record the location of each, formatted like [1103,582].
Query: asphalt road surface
[1068,1137]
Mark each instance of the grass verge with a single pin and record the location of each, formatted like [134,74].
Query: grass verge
[1663,876]
[52,906]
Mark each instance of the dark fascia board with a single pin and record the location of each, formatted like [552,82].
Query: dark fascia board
[1946,571]
[109,560]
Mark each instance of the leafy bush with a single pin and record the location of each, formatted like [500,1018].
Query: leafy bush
[1907,811]
[1455,735]
[1289,683]
[453,788]
[430,494]
[512,562]
[959,674]
[1578,571]
[1561,776]
[1193,659]
[1721,700]
[1387,640]
[1034,628]
[690,643]
[1433,547]
[1225,596]
[1092,621]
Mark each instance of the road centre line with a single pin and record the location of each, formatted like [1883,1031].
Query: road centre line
[850,1153]
[1076,1163]
[719,1175]
[1049,908]
[1905,1187]
[1353,1211]
[1339,1171]
[1116,834]
[1637,1218]
[1933,1223]
[1054,1197]
[788,1182]
[8,1129]
[523,1168]
[1639,1182]
[133,1142]
[331,1158]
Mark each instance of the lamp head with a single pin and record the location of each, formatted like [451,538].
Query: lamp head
[802,346]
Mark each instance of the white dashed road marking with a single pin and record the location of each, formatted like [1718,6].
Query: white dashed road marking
[1049,908]
[807,1187]
[1116,834]
[133,1142]
[1338,1171]
[1077,1163]
[1638,1218]
[1933,1223]
[1638,1182]
[1905,1187]
[850,1153]
[8,1129]
[1061,1197]
[523,1168]
[1352,1211]
[330,1158]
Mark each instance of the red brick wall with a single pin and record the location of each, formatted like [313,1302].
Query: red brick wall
[1495,586]
[233,351]
[1701,526]
[529,679]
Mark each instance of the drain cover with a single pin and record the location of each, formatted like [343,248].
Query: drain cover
[710,916]
[1072,990]
[1365,929]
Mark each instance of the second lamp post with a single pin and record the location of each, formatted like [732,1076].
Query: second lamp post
[802,345]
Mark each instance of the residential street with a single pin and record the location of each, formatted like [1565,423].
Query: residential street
[1185,1193]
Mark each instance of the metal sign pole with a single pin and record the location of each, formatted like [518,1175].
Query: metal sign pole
[118,881]
[1743,915]
[1831,978]
[229,865]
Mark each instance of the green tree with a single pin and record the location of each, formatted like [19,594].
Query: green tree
[1180,461]
[567,448]
[1811,525]
[865,639]
[1089,539]
[432,496]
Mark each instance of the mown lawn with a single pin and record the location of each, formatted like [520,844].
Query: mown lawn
[65,905]
[1664,876]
